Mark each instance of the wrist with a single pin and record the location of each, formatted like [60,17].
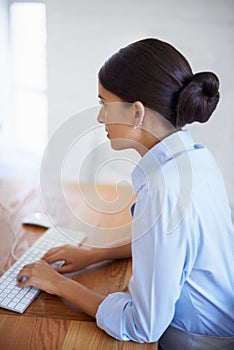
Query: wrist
[61,285]
[97,255]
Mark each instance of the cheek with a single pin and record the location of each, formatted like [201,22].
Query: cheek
[117,122]
[115,114]
[120,134]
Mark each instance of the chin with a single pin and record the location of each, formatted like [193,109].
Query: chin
[119,144]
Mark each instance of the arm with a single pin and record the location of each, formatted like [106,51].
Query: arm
[42,276]
[79,295]
[161,262]
[77,258]
[118,250]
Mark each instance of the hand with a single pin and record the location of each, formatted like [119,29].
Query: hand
[75,258]
[40,275]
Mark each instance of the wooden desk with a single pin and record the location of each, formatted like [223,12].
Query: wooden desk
[51,323]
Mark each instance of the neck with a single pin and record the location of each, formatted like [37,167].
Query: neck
[148,140]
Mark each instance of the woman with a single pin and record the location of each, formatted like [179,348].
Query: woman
[181,290]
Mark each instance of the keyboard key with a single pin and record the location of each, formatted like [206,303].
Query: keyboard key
[12,304]
[20,307]
[6,301]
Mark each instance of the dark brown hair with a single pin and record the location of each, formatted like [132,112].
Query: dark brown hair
[155,73]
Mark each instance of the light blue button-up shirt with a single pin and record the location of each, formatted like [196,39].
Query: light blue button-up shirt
[182,248]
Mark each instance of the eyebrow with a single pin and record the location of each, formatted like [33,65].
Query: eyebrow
[102,98]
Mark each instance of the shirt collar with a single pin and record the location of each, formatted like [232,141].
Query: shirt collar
[170,147]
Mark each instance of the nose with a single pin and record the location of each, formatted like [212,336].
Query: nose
[101,116]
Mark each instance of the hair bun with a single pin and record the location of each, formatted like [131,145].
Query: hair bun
[198,99]
[209,83]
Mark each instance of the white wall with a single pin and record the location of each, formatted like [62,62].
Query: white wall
[4,65]
[82,34]
[23,107]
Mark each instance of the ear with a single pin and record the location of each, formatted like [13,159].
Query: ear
[139,111]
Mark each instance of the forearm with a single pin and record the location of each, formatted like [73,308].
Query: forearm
[80,296]
[113,252]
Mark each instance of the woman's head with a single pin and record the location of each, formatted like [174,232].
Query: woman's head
[156,74]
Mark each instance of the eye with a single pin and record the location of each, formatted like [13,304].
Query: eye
[102,104]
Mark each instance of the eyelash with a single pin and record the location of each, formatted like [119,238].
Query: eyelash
[102,103]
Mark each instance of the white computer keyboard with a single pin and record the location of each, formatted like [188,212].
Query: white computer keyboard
[18,299]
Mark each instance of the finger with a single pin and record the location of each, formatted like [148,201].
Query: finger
[23,274]
[27,270]
[50,252]
[23,283]
[28,266]
[64,269]
[52,258]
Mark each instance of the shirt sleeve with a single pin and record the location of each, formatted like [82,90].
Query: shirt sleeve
[161,263]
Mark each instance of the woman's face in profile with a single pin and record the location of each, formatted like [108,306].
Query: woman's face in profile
[117,116]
